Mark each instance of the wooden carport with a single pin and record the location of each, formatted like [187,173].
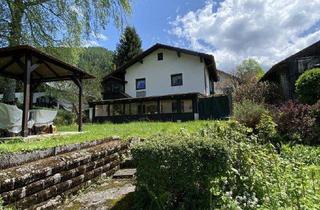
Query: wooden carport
[33,67]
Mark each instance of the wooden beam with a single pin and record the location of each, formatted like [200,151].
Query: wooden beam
[31,66]
[7,65]
[12,76]
[51,69]
[26,95]
[34,67]
[38,74]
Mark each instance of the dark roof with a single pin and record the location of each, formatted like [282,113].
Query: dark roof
[149,98]
[313,49]
[12,63]
[208,59]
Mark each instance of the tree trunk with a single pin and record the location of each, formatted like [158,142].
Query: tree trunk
[17,9]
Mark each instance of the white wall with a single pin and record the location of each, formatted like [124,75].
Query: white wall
[158,74]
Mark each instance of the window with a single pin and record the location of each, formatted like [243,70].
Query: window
[166,106]
[134,109]
[140,84]
[176,80]
[101,110]
[116,109]
[186,106]
[151,107]
[174,106]
[306,63]
[160,56]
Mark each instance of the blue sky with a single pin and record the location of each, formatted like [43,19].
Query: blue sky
[231,30]
[152,18]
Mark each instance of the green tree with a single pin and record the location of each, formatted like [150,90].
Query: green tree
[308,86]
[249,70]
[54,23]
[94,60]
[129,46]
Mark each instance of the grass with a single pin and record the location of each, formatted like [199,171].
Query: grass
[100,131]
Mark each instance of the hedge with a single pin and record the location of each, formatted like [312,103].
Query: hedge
[222,167]
[175,171]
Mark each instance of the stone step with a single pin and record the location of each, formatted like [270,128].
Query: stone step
[128,173]
[128,163]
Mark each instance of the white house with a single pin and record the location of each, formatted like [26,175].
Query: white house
[162,83]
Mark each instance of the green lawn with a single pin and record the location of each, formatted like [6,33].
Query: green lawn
[101,131]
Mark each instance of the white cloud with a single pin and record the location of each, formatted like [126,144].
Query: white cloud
[99,36]
[90,43]
[267,30]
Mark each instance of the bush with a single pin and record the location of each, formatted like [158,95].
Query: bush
[258,92]
[175,171]
[295,122]
[266,129]
[249,113]
[308,86]
[65,118]
[221,167]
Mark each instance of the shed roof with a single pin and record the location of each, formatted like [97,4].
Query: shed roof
[313,49]
[46,67]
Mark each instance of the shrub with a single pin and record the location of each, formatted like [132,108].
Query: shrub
[221,167]
[258,92]
[295,121]
[65,118]
[266,129]
[175,171]
[249,113]
[308,86]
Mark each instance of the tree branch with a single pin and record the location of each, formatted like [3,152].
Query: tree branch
[34,3]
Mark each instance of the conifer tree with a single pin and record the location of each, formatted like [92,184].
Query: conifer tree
[129,46]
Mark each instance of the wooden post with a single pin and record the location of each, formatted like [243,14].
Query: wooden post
[78,82]
[26,95]
[80,106]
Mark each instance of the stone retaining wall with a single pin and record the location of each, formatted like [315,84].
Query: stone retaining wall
[38,181]
[15,159]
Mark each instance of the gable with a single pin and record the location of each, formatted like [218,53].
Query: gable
[207,59]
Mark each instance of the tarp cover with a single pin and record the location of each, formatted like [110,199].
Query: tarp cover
[10,118]
[42,117]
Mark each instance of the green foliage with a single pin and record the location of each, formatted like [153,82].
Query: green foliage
[266,129]
[308,86]
[309,155]
[258,92]
[174,172]
[249,113]
[94,60]
[249,70]
[55,23]
[65,118]
[178,171]
[129,46]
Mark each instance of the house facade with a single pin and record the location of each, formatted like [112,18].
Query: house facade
[162,83]
[286,72]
